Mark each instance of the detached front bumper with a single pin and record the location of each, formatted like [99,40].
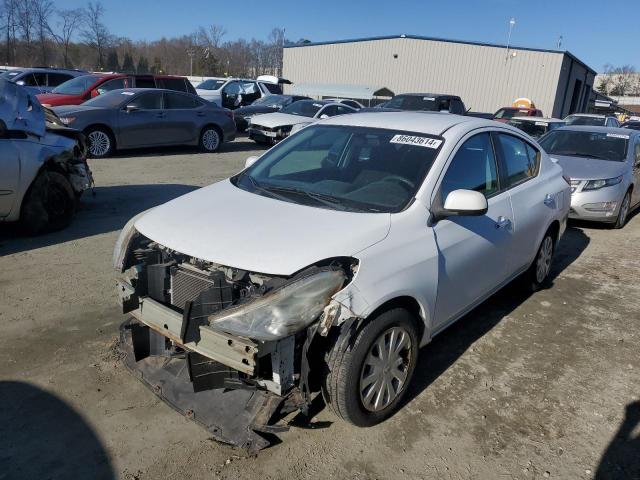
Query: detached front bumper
[264,135]
[234,387]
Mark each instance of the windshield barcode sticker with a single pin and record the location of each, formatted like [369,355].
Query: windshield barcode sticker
[418,141]
[541,124]
[618,135]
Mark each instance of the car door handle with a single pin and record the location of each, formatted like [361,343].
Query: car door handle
[503,222]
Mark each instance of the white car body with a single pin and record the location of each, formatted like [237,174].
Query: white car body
[258,86]
[433,258]
[399,255]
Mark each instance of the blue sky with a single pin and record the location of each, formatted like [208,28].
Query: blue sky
[597,32]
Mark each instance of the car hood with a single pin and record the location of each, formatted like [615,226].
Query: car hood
[253,109]
[279,119]
[226,225]
[67,110]
[581,168]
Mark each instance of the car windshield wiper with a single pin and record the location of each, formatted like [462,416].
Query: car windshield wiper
[318,197]
[260,188]
[579,154]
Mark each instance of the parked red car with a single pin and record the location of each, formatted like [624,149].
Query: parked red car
[81,89]
[507,113]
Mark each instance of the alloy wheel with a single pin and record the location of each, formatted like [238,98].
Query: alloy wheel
[543,262]
[624,210]
[99,143]
[210,140]
[385,369]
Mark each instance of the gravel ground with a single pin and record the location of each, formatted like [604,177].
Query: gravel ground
[524,387]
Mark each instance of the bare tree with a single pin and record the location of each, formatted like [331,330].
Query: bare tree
[96,34]
[42,11]
[26,24]
[623,78]
[9,15]
[68,24]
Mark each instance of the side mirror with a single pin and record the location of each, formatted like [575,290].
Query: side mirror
[20,82]
[94,93]
[460,203]
[250,161]
[323,116]
[131,108]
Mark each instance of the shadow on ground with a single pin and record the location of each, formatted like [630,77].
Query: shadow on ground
[107,211]
[41,436]
[447,347]
[242,144]
[621,459]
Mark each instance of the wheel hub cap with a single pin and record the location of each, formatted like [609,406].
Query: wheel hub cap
[385,369]
[543,263]
[210,139]
[99,143]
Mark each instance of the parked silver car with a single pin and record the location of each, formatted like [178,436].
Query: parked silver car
[604,167]
[43,167]
[149,117]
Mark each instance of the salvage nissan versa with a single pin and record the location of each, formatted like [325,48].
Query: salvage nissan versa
[337,255]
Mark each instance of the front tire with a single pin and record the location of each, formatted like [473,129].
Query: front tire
[368,369]
[210,139]
[624,211]
[100,142]
[49,205]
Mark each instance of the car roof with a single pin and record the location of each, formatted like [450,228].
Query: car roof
[418,94]
[430,123]
[592,115]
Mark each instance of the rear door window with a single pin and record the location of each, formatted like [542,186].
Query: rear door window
[145,82]
[35,80]
[56,79]
[148,101]
[273,88]
[473,168]
[521,160]
[175,101]
[109,85]
[177,84]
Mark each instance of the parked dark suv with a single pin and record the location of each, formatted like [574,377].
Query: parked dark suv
[41,80]
[429,102]
[79,90]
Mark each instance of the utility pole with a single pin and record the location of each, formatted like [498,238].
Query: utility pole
[559,42]
[192,53]
[512,23]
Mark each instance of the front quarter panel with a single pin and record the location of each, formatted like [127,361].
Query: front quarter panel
[404,264]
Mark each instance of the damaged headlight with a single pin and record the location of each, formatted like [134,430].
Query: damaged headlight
[124,240]
[284,311]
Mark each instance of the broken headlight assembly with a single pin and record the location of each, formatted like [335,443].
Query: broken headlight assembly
[121,248]
[283,311]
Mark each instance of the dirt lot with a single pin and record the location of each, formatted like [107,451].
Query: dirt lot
[524,387]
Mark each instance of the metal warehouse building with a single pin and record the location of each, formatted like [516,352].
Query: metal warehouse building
[486,76]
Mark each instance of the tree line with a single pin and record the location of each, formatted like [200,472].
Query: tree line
[619,81]
[36,33]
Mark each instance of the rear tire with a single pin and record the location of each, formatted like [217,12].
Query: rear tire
[538,274]
[624,211]
[367,370]
[210,139]
[100,142]
[49,205]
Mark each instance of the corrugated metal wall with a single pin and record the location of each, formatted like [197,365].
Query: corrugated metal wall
[482,75]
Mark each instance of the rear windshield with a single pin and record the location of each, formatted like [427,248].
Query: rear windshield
[596,145]
[535,129]
[211,84]
[510,113]
[343,167]
[304,108]
[77,85]
[588,121]
[413,102]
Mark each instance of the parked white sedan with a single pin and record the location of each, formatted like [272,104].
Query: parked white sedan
[273,127]
[335,256]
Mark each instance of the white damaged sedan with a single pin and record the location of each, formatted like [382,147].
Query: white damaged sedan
[328,262]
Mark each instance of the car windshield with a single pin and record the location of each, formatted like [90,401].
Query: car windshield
[110,99]
[413,102]
[535,129]
[273,101]
[595,145]
[505,113]
[305,108]
[588,121]
[349,168]
[76,86]
[632,125]
[211,84]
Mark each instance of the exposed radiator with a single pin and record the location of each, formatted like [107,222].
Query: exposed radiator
[187,284]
